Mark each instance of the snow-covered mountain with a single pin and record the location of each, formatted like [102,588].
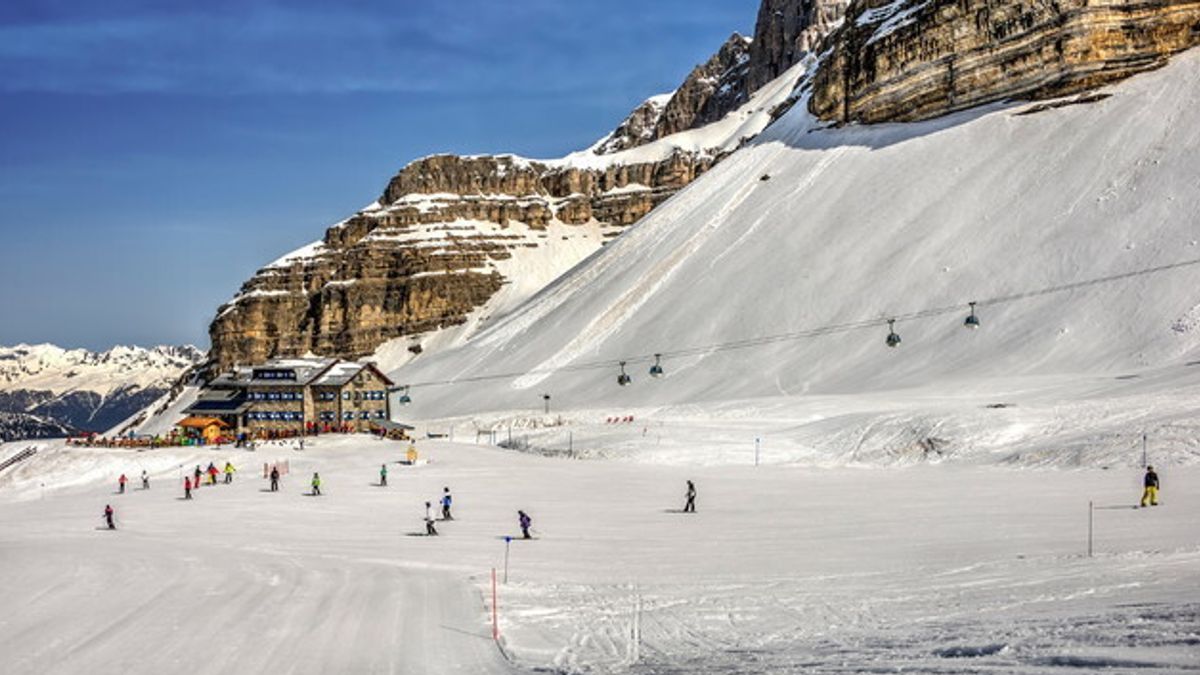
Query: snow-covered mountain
[85,390]
[813,226]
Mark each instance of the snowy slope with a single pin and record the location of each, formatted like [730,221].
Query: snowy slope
[866,223]
[781,570]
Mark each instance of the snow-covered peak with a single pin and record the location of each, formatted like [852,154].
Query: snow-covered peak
[50,367]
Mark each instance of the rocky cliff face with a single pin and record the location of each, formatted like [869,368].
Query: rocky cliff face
[904,60]
[786,32]
[436,252]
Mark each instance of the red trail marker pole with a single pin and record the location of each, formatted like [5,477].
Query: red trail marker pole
[495,624]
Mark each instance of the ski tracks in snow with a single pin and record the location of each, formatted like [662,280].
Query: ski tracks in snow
[647,282]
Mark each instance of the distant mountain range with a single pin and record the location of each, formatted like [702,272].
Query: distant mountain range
[46,390]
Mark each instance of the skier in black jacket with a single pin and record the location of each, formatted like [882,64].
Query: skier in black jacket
[1150,483]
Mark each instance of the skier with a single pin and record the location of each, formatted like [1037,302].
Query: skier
[525,522]
[1150,493]
[383,475]
[316,485]
[430,530]
[212,473]
[274,479]
[145,480]
[187,487]
[108,516]
[121,483]
[196,480]
[229,472]
[690,506]
[446,499]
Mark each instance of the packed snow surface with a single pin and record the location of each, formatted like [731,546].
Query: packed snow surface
[783,569]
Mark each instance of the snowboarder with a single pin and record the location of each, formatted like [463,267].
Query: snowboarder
[145,480]
[690,505]
[187,487]
[525,521]
[383,475]
[121,483]
[229,472]
[274,479]
[108,516]
[1150,493]
[316,485]
[446,500]
[430,530]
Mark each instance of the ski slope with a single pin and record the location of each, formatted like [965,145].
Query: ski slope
[866,223]
[783,569]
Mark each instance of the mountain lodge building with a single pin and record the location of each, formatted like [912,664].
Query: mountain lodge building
[292,397]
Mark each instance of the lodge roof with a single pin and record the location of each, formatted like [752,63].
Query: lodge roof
[200,422]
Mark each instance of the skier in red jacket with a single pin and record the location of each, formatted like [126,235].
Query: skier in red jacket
[121,483]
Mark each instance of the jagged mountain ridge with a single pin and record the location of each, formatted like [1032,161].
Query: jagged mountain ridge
[78,389]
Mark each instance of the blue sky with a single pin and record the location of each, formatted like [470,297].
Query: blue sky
[154,154]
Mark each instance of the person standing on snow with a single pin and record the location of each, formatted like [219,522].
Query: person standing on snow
[316,485]
[196,480]
[430,530]
[212,473]
[121,483]
[274,479]
[1150,491]
[690,505]
[383,475]
[145,480]
[187,487]
[108,516]
[229,472]
[446,500]
[525,522]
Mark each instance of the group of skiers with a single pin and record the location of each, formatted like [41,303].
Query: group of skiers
[193,482]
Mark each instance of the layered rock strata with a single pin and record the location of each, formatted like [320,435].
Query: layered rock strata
[906,60]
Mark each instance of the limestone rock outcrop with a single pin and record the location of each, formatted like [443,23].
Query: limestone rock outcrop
[425,261]
[787,31]
[906,60]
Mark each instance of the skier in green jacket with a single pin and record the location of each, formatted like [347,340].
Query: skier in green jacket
[316,485]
